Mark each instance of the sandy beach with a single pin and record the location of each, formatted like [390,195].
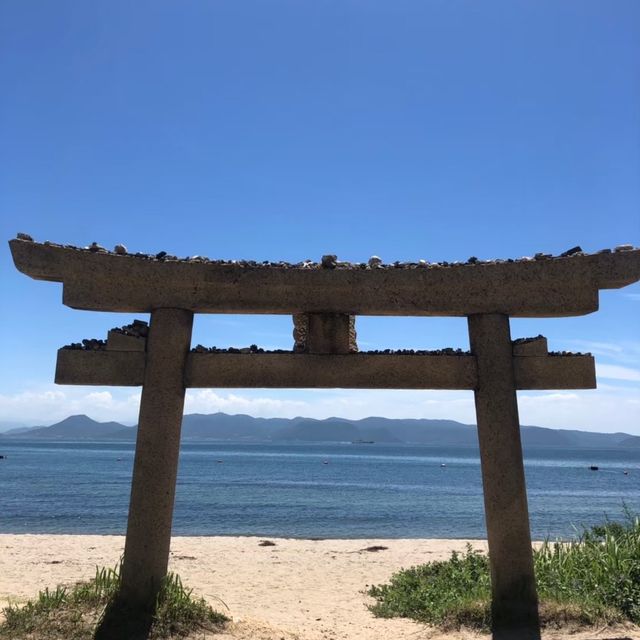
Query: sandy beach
[292,590]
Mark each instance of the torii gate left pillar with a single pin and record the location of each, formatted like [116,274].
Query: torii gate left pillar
[146,552]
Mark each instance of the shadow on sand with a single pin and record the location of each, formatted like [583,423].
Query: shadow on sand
[121,621]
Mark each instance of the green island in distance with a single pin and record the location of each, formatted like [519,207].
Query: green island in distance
[245,428]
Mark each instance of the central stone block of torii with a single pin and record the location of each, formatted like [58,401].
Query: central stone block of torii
[324,299]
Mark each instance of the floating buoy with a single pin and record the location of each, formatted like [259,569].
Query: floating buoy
[443,465]
[325,462]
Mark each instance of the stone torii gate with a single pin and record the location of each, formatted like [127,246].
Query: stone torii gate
[324,299]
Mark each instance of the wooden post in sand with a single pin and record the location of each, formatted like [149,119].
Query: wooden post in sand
[146,552]
[514,601]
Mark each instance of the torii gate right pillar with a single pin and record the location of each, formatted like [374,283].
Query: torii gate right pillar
[514,601]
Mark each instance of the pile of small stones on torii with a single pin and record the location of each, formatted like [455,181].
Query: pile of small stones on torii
[327,262]
[139,329]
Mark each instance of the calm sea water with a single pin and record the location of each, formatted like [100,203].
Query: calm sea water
[385,491]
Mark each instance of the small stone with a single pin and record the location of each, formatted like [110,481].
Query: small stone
[624,247]
[266,543]
[329,261]
[422,263]
[472,260]
[24,236]
[120,249]
[572,251]
[604,251]
[161,255]
[375,261]
[96,248]
[542,256]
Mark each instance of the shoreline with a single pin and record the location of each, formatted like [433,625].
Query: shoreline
[293,589]
[241,536]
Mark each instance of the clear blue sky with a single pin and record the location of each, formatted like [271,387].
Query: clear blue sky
[285,130]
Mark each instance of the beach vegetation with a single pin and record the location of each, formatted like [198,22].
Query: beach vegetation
[594,579]
[74,613]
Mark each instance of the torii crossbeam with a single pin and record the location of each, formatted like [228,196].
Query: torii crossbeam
[324,299]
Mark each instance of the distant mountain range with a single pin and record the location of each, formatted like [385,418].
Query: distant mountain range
[243,428]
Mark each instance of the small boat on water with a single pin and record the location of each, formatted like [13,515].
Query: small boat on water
[593,467]
[363,442]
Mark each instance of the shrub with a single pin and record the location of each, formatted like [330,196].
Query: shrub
[73,613]
[595,579]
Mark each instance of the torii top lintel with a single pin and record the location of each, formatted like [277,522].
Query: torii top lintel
[99,280]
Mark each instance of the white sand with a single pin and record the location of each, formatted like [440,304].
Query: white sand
[297,589]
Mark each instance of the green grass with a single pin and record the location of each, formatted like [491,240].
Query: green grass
[74,613]
[593,580]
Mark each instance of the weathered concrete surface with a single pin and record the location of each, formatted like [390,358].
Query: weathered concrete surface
[324,333]
[328,333]
[353,335]
[118,341]
[300,332]
[352,371]
[514,601]
[554,372]
[155,468]
[100,368]
[537,288]
[530,347]
[303,371]
[369,371]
